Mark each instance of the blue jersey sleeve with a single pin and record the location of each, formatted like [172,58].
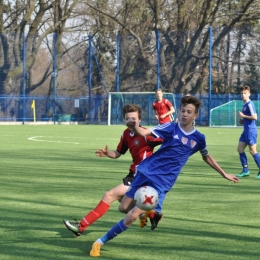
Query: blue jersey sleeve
[163,131]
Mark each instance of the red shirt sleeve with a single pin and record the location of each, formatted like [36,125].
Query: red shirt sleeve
[153,141]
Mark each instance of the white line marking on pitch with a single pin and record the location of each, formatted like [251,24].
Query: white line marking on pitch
[35,138]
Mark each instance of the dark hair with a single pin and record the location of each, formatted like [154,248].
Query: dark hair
[132,108]
[191,100]
[159,89]
[186,92]
[245,88]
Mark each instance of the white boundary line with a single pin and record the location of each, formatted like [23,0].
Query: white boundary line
[38,139]
[34,138]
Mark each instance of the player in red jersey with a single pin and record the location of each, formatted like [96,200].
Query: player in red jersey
[140,148]
[163,108]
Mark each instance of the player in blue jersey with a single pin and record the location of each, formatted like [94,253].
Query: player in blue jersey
[139,147]
[161,169]
[249,135]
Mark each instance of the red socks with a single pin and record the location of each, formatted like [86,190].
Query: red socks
[151,215]
[94,215]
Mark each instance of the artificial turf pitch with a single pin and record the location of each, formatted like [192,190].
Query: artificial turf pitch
[50,173]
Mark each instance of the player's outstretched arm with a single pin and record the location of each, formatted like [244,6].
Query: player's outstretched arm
[107,153]
[212,162]
[137,129]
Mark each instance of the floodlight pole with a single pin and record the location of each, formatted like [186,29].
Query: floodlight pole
[210,72]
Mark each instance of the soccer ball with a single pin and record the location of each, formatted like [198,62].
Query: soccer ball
[146,198]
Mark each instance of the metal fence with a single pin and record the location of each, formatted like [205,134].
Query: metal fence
[76,89]
[82,110]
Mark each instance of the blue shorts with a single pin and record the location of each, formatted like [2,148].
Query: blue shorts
[250,138]
[141,180]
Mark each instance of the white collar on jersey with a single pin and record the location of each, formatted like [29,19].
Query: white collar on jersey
[131,134]
[186,133]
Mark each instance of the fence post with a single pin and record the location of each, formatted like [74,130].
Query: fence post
[210,71]
[118,63]
[258,106]
[90,77]
[158,46]
[54,75]
[24,76]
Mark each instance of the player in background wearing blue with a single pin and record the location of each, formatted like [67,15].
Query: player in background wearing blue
[249,135]
[161,169]
[139,147]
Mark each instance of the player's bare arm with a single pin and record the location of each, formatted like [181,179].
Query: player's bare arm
[212,163]
[107,153]
[139,130]
[171,111]
[253,117]
[155,114]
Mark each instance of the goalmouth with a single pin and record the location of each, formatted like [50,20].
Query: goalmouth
[226,115]
[116,101]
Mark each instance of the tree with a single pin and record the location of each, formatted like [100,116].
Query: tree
[252,71]
[184,26]
[30,22]
[184,57]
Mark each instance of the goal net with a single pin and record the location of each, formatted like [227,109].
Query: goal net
[145,100]
[226,115]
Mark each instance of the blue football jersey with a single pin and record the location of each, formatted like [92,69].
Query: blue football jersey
[164,166]
[249,110]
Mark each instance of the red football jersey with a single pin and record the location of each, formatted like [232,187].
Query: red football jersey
[162,108]
[139,147]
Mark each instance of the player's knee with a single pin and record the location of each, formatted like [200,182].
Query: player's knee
[122,208]
[240,150]
[252,152]
[107,196]
[130,218]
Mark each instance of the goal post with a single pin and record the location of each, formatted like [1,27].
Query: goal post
[226,115]
[116,101]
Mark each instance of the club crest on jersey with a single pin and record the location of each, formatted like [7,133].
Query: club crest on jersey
[136,142]
[192,143]
[184,140]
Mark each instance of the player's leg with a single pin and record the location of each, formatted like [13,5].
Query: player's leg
[126,204]
[117,229]
[102,207]
[256,156]
[154,215]
[242,155]
[252,149]
[131,216]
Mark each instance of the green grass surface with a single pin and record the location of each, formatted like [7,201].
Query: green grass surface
[49,173]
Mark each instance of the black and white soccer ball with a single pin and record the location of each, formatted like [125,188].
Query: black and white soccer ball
[146,198]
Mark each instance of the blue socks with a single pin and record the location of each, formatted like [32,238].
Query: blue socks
[114,231]
[243,160]
[257,159]
[161,199]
